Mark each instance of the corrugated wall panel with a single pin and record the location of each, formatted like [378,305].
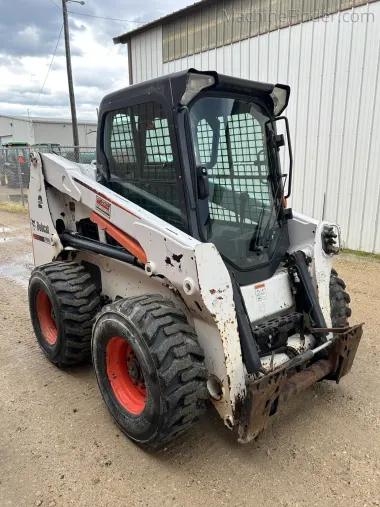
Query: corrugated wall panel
[254,55]
[293,72]
[333,69]
[301,127]
[324,133]
[312,127]
[366,182]
[337,125]
[370,236]
[351,179]
[244,59]
[264,56]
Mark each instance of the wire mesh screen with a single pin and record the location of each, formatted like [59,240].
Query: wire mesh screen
[141,160]
[122,145]
[80,154]
[240,170]
[205,137]
[233,141]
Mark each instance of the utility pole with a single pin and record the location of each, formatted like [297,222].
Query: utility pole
[70,77]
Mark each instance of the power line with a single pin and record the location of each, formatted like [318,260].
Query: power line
[58,7]
[99,17]
[47,74]
[111,19]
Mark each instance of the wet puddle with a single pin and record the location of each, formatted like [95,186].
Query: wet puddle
[6,239]
[20,270]
[4,235]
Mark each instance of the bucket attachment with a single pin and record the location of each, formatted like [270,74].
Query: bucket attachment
[264,396]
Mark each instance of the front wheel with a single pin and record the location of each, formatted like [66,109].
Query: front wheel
[150,368]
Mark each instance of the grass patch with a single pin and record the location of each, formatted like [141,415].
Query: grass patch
[359,253]
[13,207]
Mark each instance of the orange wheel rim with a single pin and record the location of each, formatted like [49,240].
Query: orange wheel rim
[125,375]
[45,317]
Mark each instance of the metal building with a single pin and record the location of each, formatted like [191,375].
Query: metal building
[35,130]
[329,53]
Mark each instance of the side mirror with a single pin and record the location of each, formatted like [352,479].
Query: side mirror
[202,183]
[279,141]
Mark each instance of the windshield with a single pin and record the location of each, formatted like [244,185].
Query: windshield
[233,145]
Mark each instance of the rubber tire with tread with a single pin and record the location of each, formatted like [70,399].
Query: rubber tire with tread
[339,301]
[170,358]
[75,303]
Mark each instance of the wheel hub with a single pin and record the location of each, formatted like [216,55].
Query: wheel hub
[134,371]
[125,375]
[46,317]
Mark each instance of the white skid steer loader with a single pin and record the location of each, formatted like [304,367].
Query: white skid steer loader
[177,265]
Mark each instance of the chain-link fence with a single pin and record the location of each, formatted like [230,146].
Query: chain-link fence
[15,169]
[81,154]
[14,176]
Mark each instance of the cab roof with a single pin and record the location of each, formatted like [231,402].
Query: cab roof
[173,86]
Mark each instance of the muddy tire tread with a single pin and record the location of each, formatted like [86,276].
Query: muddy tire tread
[178,359]
[80,303]
[340,300]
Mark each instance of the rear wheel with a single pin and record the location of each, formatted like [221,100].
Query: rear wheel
[150,368]
[63,303]
[339,301]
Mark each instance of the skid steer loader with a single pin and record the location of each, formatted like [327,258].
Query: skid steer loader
[177,264]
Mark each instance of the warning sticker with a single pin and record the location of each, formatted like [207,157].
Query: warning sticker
[103,206]
[261,292]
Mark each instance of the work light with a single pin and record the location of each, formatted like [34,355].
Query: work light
[195,84]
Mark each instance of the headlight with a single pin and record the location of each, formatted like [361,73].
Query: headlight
[331,239]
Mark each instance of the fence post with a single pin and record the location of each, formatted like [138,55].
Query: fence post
[20,180]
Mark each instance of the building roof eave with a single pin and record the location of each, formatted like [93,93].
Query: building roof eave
[126,37]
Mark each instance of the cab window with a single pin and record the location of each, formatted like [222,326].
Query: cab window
[142,165]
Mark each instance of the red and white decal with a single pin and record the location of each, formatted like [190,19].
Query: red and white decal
[261,292]
[103,206]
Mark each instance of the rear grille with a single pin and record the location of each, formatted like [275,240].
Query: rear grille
[273,334]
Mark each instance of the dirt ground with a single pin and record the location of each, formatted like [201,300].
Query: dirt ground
[60,447]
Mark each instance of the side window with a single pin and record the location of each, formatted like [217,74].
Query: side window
[230,140]
[158,145]
[142,162]
[247,151]
[204,142]
[121,148]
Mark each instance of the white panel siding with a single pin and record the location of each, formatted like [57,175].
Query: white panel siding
[333,69]
[147,55]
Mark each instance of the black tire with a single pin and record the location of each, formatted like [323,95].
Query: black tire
[66,291]
[339,300]
[171,363]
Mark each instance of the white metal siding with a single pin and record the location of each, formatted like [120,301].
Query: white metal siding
[334,111]
[147,55]
[62,133]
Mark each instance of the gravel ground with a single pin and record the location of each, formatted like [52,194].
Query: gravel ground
[60,447]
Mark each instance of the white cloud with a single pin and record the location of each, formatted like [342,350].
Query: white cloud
[99,66]
[30,34]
